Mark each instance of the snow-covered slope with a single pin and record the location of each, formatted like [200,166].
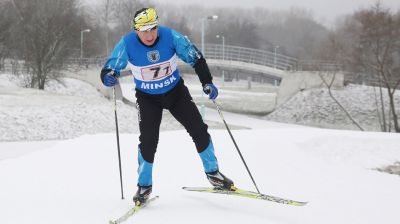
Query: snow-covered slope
[77,181]
[316,108]
[73,108]
[64,110]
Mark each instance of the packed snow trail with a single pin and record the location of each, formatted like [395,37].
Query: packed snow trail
[77,180]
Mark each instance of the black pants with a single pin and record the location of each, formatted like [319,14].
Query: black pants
[179,102]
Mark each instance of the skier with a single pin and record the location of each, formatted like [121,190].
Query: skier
[151,52]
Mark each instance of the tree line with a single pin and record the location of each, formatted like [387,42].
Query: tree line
[367,44]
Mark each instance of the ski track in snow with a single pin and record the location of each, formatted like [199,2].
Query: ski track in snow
[76,180]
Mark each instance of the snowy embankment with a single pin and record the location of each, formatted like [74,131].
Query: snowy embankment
[316,108]
[73,108]
[59,112]
[64,110]
[77,180]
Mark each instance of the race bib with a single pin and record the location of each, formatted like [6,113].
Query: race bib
[156,72]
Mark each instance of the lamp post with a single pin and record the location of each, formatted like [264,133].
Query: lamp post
[223,46]
[203,20]
[276,47]
[83,31]
[223,57]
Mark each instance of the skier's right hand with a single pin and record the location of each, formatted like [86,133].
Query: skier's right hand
[109,77]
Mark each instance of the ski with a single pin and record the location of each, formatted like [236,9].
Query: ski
[132,211]
[247,194]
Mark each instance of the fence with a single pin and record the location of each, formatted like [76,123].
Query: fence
[228,53]
[249,55]
[15,67]
[239,54]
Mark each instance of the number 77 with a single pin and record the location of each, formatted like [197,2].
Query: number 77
[157,71]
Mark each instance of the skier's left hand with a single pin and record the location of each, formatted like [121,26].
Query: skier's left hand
[211,90]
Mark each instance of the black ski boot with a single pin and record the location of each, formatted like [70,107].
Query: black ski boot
[220,181]
[142,194]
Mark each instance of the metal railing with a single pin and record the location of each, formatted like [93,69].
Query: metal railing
[228,53]
[319,65]
[238,54]
[250,55]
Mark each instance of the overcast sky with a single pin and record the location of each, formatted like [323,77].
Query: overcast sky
[325,11]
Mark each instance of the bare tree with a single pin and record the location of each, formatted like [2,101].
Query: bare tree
[333,51]
[369,46]
[328,78]
[296,32]
[5,27]
[124,10]
[377,48]
[176,21]
[44,29]
[106,19]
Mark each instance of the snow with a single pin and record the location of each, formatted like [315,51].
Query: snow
[72,176]
[316,108]
[64,110]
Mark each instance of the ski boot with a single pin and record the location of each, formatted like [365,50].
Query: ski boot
[142,194]
[220,181]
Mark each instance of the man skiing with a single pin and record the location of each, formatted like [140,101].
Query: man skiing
[151,52]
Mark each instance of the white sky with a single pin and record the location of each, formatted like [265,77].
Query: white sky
[324,11]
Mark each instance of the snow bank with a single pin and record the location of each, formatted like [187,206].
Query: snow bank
[64,110]
[71,108]
[316,108]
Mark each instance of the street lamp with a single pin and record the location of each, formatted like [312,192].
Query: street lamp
[223,56]
[203,20]
[83,31]
[223,46]
[276,47]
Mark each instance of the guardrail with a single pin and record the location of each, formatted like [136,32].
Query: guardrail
[228,53]
[238,54]
[250,55]
[318,65]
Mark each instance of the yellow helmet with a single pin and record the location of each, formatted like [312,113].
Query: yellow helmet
[145,19]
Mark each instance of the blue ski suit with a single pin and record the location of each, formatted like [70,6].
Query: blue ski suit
[159,86]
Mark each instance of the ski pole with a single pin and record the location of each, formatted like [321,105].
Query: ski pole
[119,151]
[237,148]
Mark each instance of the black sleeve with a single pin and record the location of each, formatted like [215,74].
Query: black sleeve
[201,69]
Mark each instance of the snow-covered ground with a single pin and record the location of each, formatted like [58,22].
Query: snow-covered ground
[73,108]
[60,112]
[316,108]
[64,110]
[77,180]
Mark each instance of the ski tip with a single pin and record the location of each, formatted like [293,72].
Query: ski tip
[298,203]
[188,188]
